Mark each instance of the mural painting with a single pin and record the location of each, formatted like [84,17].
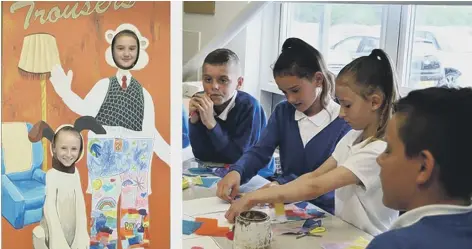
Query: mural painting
[73,60]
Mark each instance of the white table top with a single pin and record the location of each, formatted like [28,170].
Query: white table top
[338,231]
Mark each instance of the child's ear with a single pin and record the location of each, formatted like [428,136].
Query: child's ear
[318,79]
[376,100]
[426,169]
[240,83]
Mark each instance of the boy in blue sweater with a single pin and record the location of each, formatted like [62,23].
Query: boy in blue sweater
[224,121]
[426,171]
[305,127]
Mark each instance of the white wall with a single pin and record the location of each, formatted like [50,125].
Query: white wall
[211,25]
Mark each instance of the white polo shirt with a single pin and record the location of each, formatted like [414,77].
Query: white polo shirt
[411,217]
[309,127]
[361,205]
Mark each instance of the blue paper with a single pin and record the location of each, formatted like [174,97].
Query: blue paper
[294,218]
[302,204]
[189,227]
[311,223]
[208,182]
[200,171]
[315,212]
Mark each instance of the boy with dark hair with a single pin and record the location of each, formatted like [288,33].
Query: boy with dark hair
[224,121]
[426,171]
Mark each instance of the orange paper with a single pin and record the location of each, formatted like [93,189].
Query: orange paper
[210,227]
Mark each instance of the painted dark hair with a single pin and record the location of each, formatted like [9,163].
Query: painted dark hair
[130,33]
[438,119]
[301,60]
[371,73]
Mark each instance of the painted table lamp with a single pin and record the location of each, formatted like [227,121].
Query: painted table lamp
[38,55]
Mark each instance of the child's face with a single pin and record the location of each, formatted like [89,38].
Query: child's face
[300,92]
[67,147]
[398,173]
[220,82]
[355,110]
[125,51]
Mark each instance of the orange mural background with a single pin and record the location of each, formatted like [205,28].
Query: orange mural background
[81,43]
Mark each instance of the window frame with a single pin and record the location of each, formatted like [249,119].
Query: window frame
[396,38]
[397,21]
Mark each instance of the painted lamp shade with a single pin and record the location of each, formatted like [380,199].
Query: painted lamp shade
[38,55]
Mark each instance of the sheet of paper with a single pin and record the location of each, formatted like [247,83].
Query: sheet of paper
[189,227]
[334,245]
[190,236]
[255,183]
[203,242]
[202,206]
[222,221]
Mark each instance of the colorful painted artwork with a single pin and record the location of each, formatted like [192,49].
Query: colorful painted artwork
[52,74]
[119,172]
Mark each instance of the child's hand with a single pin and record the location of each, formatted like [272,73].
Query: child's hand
[230,182]
[193,110]
[205,110]
[238,206]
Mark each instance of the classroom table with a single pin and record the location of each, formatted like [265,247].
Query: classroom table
[338,231]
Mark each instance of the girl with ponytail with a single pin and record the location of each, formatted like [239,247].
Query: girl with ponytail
[366,90]
[305,127]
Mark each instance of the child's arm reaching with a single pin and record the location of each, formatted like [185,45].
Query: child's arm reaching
[327,166]
[359,168]
[311,185]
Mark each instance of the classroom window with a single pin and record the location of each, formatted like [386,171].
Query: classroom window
[441,47]
[429,45]
[341,32]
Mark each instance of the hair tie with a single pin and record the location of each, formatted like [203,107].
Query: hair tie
[375,55]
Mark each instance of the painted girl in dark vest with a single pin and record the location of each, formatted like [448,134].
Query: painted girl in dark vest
[118,101]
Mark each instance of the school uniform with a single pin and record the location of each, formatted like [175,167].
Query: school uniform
[305,143]
[237,129]
[431,227]
[361,205]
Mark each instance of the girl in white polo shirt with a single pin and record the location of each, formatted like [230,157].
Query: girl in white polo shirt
[366,90]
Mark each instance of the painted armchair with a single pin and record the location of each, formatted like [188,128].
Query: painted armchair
[23,180]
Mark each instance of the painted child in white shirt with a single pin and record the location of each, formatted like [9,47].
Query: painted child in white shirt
[366,90]
[426,171]
[64,221]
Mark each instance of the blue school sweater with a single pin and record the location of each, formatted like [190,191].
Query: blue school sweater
[296,160]
[229,139]
[185,139]
[431,232]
